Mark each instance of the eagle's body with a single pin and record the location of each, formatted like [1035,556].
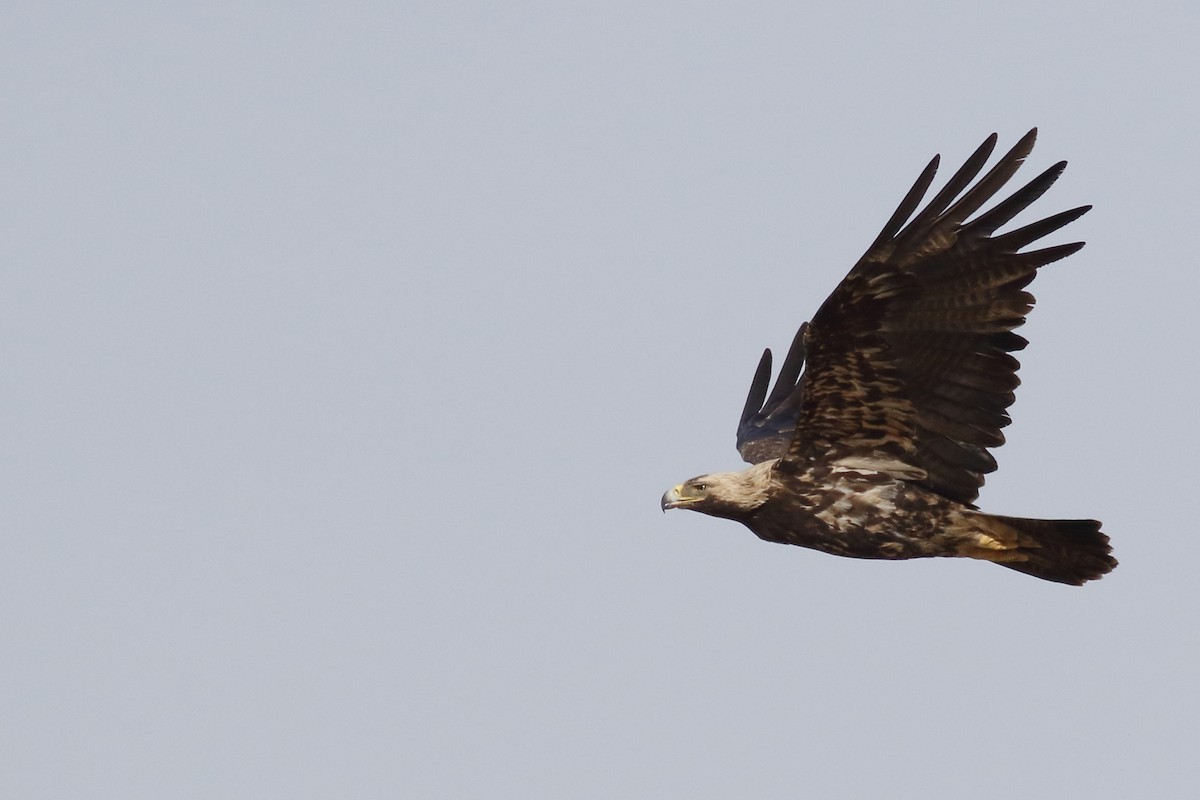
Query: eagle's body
[877,449]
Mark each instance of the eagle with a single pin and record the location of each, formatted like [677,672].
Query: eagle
[874,441]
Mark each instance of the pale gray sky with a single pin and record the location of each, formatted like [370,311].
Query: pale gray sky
[349,349]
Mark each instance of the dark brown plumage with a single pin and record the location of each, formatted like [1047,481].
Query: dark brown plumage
[874,441]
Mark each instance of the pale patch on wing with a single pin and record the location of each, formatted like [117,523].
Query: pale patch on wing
[879,462]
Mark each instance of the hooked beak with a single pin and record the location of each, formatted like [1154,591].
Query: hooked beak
[674,498]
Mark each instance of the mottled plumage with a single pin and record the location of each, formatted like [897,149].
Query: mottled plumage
[874,441]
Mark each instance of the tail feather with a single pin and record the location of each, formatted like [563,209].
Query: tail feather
[1062,550]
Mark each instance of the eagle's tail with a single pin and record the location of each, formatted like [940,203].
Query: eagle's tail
[1063,550]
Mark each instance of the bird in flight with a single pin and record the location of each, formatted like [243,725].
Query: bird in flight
[874,441]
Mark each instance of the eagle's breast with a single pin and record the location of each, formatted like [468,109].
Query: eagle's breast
[851,511]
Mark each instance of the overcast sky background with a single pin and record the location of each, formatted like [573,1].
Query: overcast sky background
[348,349]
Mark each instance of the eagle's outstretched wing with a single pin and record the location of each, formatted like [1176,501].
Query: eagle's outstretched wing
[908,361]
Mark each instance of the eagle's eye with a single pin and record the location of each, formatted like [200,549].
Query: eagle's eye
[702,487]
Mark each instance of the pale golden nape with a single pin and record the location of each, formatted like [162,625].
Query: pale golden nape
[723,494]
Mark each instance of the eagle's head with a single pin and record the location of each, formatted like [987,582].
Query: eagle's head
[733,495]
